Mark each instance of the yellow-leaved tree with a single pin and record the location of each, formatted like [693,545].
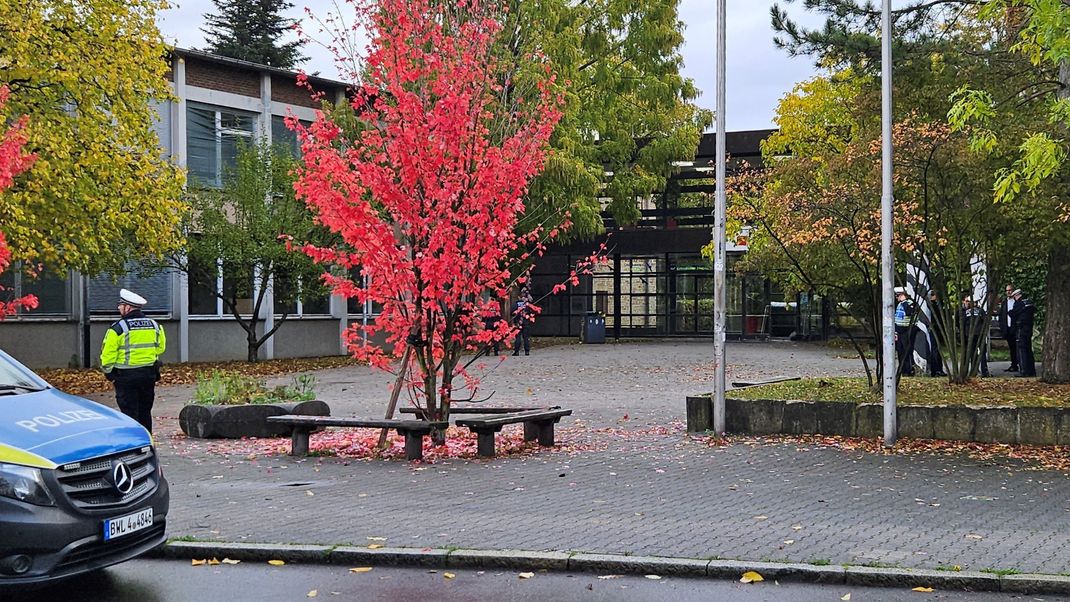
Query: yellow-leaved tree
[88,75]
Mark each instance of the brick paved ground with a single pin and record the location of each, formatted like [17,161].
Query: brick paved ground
[646,491]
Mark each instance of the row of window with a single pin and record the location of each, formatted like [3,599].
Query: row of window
[54,296]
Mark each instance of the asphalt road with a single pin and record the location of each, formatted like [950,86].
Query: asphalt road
[179,581]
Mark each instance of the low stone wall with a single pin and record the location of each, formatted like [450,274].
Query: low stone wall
[1033,426]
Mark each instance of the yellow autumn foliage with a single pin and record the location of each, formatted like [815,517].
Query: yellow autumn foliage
[88,75]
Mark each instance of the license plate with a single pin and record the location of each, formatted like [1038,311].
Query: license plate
[125,525]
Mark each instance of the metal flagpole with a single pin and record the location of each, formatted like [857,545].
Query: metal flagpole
[887,273]
[720,208]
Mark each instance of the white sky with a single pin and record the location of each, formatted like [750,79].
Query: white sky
[758,74]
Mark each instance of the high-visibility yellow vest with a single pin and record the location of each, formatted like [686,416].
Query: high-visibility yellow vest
[132,343]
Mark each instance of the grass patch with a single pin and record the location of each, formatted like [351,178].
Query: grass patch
[1019,392]
[821,562]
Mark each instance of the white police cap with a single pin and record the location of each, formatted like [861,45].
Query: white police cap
[1016,291]
[131,298]
[900,290]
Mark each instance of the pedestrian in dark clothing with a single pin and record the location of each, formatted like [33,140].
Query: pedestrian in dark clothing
[973,323]
[1022,315]
[936,317]
[491,320]
[523,317]
[904,331]
[1006,328]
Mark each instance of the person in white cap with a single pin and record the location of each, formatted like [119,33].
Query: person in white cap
[130,358]
[1022,318]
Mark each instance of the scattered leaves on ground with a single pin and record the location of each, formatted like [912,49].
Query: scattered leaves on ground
[1031,457]
[276,562]
[360,569]
[924,590]
[448,575]
[751,577]
[526,575]
[82,381]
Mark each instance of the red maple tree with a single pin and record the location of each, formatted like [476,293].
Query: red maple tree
[427,192]
[13,161]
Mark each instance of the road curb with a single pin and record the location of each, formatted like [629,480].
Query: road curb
[615,563]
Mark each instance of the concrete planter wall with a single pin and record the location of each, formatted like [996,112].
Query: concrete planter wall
[248,420]
[1033,426]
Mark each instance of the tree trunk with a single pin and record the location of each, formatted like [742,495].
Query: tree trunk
[1056,358]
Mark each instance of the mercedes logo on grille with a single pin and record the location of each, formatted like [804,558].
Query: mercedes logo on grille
[121,477]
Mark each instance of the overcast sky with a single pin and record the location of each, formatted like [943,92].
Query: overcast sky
[758,74]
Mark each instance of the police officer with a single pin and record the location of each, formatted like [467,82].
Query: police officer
[130,358]
[1022,321]
[904,331]
[1006,328]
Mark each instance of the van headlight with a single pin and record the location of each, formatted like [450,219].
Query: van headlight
[24,484]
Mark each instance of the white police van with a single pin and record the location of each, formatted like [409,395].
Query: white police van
[80,483]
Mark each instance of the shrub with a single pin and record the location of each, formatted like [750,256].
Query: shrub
[231,388]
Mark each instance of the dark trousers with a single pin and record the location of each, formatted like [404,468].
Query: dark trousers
[1012,343]
[975,347]
[1026,362]
[522,335]
[135,397]
[934,359]
[904,348]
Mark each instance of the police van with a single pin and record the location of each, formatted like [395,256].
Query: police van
[80,483]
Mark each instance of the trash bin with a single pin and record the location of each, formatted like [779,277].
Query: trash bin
[594,328]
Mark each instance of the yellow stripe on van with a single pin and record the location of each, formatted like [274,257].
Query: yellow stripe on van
[14,455]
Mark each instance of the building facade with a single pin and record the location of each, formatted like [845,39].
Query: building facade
[218,103]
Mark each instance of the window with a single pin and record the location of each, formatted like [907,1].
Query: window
[290,299]
[285,137]
[153,285]
[353,305]
[212,138]
[52,292]
[204,281]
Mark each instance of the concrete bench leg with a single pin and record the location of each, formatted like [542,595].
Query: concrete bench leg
[485,443]
[546,433]
[299,441]
[531,431]
[414,445]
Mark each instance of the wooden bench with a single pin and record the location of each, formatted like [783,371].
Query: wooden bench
[531,431]
[538,424]
[414,431]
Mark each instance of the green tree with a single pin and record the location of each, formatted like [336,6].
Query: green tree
[242,231]
[1012,97]
[628,112]
[250,30]
[88,75]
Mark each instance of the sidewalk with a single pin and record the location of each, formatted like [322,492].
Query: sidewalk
[639,487]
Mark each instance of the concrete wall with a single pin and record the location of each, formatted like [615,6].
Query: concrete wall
[307,337]
[41,344]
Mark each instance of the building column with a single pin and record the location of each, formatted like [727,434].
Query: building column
[180,280]
[267,310]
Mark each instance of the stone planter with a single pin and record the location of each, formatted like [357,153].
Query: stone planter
[248,420]
[1028,425]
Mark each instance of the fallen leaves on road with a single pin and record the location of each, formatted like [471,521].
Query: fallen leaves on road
[374,546]
[360,569]
[82,381]
[653,577]
[448,575]
[230,561]
[526,575]
[313,593]
[924,590]
[1033,457]
[845,597]
[196,562]
[276,562]
[751,577]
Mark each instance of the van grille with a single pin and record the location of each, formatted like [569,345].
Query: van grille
[90,484]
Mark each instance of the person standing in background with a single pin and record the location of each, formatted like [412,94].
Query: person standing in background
[1006,328]
[934,360]
[1022,314]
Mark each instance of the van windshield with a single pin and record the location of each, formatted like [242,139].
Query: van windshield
[14,379]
